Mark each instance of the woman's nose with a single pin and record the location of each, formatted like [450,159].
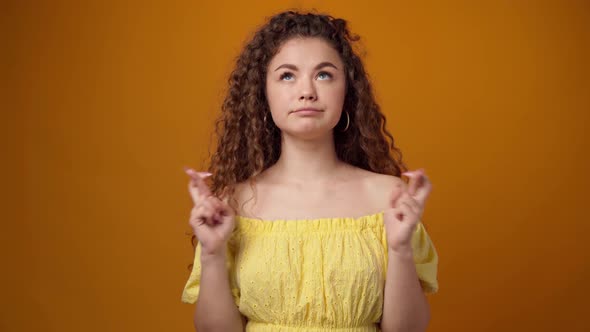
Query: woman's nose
[308,92]
[307,96]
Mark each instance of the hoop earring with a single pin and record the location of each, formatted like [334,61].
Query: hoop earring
[347,122]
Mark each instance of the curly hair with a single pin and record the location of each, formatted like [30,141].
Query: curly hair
[248,144]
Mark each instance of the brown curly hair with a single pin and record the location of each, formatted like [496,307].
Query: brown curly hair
[248,143]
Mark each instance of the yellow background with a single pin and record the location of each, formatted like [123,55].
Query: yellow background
[106,101]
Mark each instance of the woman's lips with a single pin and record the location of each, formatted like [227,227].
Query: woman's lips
[307,111]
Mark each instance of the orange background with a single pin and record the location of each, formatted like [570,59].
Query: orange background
[108,100]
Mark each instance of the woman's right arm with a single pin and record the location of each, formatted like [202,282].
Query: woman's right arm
[212,221]
[216,309]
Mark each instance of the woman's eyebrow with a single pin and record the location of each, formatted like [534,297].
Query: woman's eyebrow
[319,66]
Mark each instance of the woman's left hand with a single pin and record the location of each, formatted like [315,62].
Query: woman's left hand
[407,206]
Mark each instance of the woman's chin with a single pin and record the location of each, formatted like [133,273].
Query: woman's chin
[309,132]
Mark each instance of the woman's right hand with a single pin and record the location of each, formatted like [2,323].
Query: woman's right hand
[212,220]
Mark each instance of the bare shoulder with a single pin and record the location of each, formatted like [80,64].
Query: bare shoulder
[243,191]
[380,186]
[240,189]
[380,181]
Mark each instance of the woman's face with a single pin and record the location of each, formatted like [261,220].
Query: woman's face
[306,73]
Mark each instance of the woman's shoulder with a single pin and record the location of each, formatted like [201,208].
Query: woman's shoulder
[379,187]
[242,192]
[247,192]
[378,181]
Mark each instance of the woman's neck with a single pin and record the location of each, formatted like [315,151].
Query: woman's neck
[304,161]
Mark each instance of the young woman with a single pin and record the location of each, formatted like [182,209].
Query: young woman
[307,225]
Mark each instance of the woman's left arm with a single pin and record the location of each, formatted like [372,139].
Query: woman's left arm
[405,307]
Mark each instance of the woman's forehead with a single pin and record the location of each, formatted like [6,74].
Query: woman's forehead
[304,52]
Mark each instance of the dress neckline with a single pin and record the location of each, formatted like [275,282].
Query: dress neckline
[300,220]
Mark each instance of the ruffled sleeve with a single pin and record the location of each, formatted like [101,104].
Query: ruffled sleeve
[426,259]
[191,289]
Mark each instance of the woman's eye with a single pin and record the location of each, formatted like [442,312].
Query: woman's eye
[324,75]
[288,76]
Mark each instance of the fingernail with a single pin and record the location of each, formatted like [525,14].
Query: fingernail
[189,170]
[204,174]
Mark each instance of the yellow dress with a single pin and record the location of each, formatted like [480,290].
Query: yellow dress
[325,274]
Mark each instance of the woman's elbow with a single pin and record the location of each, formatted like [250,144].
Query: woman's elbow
[418,323]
